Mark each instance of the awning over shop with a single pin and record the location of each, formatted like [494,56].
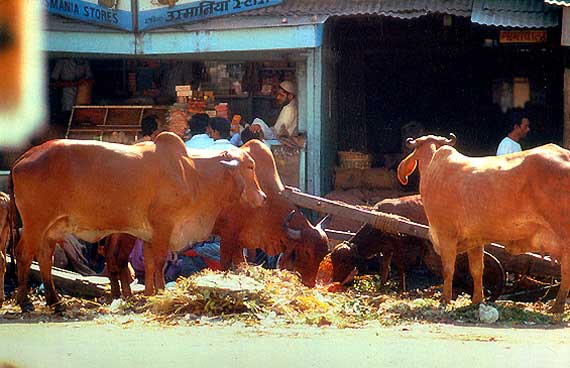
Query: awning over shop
[294,24]
[561,3]
[515,13]
[230,34]
[391,8]
[507,13]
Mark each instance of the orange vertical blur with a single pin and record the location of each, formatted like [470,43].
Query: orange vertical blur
[11,48]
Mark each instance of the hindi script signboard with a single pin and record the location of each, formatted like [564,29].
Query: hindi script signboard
[164,13]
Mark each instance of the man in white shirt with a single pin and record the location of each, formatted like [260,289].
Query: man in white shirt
[286,124]
[198,128]
[519,130]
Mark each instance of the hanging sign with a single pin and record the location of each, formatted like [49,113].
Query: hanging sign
[164,13]
[522,36]
[112,13]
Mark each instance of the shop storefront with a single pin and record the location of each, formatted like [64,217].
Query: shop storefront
[368,75]
[234,60]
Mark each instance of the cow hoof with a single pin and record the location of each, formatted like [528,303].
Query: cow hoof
[27,307]
[58,308]
[557,309]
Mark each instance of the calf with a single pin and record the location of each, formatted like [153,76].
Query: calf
[370,242]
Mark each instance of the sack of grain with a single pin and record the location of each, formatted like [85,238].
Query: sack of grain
[347,178]
[379,178]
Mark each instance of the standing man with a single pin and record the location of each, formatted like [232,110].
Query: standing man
[520,126]
[286,124]
[69,74]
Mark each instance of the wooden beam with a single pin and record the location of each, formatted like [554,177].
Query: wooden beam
[382,221]
[527,263]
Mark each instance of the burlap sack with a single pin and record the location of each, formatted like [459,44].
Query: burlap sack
[347,178]
[379,178]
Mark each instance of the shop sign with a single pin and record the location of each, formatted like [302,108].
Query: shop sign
[164,13]
[525,36]
[112,13]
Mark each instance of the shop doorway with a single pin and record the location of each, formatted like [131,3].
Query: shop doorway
[439,74]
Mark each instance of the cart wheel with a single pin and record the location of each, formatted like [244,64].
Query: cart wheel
[494,276]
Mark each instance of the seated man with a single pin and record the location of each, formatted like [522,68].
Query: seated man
[198,125]
[286,124]
[219,131]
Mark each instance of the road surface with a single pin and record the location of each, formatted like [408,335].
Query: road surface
[134,344]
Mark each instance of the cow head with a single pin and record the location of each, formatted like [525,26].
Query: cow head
[307,247]
[344,259]
[242,168]
[423,151]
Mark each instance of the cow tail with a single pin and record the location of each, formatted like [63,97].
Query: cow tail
[12,220]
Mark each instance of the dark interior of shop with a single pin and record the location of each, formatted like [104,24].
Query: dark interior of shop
[441,74]
[247,86]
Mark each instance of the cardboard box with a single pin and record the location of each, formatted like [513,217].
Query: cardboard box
[183,88]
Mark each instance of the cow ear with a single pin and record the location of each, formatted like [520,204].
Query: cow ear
[230,163]
[407,167]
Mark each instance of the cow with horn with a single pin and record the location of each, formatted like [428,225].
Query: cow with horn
[520,200]
[277,227]
[157,191]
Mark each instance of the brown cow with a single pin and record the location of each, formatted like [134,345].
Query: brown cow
[154,191]
[303,245]
[519,200]
[4,237]
[369,242]
[405,250]
[268,228]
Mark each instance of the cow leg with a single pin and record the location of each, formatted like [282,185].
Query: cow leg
[448,252]
[111,268]
[3,245]
[149,269]
[225,256]
[2,273]
[45,260]
[475,256]
[385,266]
[124,272]
[238,257]
[24,256]
[400,258]
[155,256]
[562,295]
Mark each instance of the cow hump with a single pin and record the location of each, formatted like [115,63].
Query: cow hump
[170,144]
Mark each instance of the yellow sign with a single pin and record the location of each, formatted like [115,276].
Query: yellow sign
[525,36]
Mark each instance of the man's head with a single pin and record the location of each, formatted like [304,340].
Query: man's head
[286,93]
[219,128]
[198,124]
[519,124]
[148,125]
[247,135]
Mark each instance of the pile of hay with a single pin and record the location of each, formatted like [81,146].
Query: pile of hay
[254,294]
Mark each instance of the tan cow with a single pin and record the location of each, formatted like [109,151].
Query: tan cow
[4,237]
[271,228]
[154,191]
[520,200]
